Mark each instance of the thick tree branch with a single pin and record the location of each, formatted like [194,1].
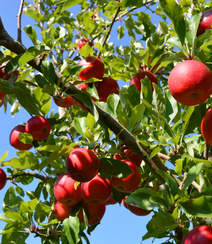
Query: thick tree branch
[11,177]
[19,20]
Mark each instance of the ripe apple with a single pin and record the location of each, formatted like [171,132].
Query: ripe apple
[129,183]
[111,201]
[190,82]
[139,76]
[14,138]
[64,102]
[96,191]
[38,127]
[134,208]
[96,212]
[205,22]
[205,126]
[3,72]
[82,42]
[82,164]
[199,235]
[95,68]
[3,178]
[2,95]
[117,157]
[106,87]
[131,156]
[65,190]
[61,211]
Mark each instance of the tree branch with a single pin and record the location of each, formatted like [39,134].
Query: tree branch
[11,177]
[19,21]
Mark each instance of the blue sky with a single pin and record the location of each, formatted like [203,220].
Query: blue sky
[118,225]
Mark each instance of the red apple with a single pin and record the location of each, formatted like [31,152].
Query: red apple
[38,127]
[111,201]
[139,76]
[3,72]
[82,42]
[82,164]
[131,156]
[96,191]
[190,82]
[64,102]
[3,178]
[129,183]
[134,208]
[205,126]
[117,157]
[199,235]
[14,138]
[96,212]
[2,95]
[106,87]
[205,22]
[65,190]
[95,68]
[61,211]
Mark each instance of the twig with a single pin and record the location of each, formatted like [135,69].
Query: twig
[19,20]
[39,11]
[11,177]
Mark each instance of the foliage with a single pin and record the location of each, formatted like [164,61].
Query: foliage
[167,132]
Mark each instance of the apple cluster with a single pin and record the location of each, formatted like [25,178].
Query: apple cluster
[82,184]
[94,68]
[37,126]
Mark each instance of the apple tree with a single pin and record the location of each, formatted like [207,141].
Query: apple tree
[146,143]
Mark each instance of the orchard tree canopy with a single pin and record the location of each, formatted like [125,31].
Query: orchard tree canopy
[160,115]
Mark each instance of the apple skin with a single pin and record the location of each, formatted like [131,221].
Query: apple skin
[199,235]
[95,69]
[2,95]
[65,191]
[190,82]
[96,191]
[139,76]
[38,127]
[129,183]
[82,42]
[14,138]
[3,178]
[106,87]
[82,164]
[205,22]
[111,201]
[64,102]
[131,156]
[135,209]
[96,212]
[3,72]
[61,211]
[205,126]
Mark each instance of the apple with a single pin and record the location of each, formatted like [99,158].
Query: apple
[61,211]
[205,126]
[82,42]
[205,22]
[190,82]
[111,201]
[96,212]
[66,191]
[14,138]
[64,102]
[3,178]
[135,209]
[2,95]
[129,183]
[82,164]
[38,127]
[139,76]
[95,68]
[3,72]
[106,87]
[96,191]
[131,156]
[199,235]
[117,157]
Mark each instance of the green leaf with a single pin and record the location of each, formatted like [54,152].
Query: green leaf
[48,71]
[159,100]
[80,125]
[174,11]
[5,218]
[154,152]
[120,31]
[3,157]
[172,106]
[35,15]
[109,167]
[23,163]
[137,114]
[71,227]
[179,166]
[123,119]
[31,53]
[146,90]
[199,207]
[90,121]
[193,173]
[31,33]
[26,138]
[69,3]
